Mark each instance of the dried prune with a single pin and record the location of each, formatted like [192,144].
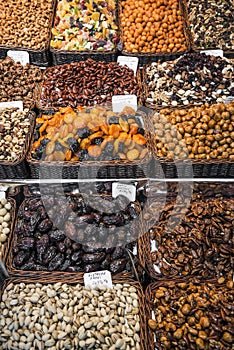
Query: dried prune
[65,265]
[113,120]
[58,146]
[90,249]
[84,133]
[56,236]
[76,256]
[20,258]
[93,258]
[118,265]
[61,247]
[44,142]
[91,267]
[56,262]
[97,141]
[73,144]
[114,219]
[42,244]
[26,243]
[45,225]
[106,263]
[49,255]
[119,252]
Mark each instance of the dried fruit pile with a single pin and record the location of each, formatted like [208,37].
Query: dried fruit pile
[89,134]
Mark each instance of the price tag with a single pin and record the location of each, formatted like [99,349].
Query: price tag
[229,99]
[125,190]
[131,62]
[19,56]
[213,52]
[121,101]
[12,104]
[98,279]
[3,190]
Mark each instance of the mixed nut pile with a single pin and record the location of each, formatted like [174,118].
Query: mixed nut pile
[212,23]
[14,129]
[5,222]
[61,316]
[198,132]
[26,23]
[193,78]
[78,236]
[199,242]
[18,82]
[89,134]
[152,26]
[86,83]
[85,25]
[193,316]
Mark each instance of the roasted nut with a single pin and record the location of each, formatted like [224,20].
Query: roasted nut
[26,23]
[211,23]
[190,79]
[152,27]
[73,84]
[5,208]
[18,82]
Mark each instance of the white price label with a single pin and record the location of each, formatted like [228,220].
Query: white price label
[98,279]
[213,52]
[131,62]
[12,104]
[121,101]
[125,190]
[19,56]
[229,99]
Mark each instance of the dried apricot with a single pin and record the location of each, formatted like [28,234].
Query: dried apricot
[114,130]
[140,139]
[94,151]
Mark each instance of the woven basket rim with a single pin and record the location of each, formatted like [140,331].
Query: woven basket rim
[31,50]
[167,54]
[6,245]
[112,163]
[32,117]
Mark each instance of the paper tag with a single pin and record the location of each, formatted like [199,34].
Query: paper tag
[19,56]
[131,62]
[229,99]
[3,190]
[125,190]
[12,104]
[121,101]
[213,52]
[98,279]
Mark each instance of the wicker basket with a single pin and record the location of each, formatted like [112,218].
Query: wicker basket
[153,337]
[145,58]
[18,169]
[64,56]
[130,270]
[78,279]
[6,245]
[92,169]
[189,168]
[200,269]
[36,57]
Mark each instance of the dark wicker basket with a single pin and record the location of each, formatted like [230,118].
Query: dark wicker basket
[64,56]
[36,57]
[145,58]
[133,269]
[78,279]
[92,169]
[200,271]
[189,168]
[154,342]
[19,168]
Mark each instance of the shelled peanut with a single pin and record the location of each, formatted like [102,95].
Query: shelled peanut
[5,222]
[152,26]
[89,134]
[25,23]
[200,132]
